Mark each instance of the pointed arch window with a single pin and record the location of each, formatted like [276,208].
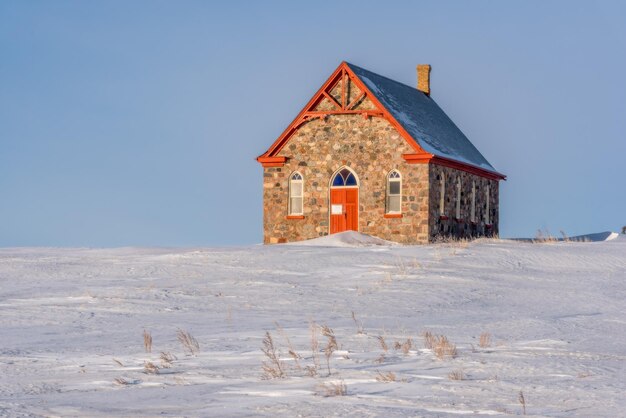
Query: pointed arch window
[296,193]
[394,192]
[457,212]
[343,178]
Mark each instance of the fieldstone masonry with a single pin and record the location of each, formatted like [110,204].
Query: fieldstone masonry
[371,147]
[447,224]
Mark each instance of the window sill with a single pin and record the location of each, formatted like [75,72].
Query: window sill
[392,215]
[295,217]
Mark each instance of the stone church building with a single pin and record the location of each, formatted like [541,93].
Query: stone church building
[373,155]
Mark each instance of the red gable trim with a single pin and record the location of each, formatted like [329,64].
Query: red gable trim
[272,161]
[307,113]
[284,137]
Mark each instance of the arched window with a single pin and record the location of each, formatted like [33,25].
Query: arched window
[295,194]
[487,204]
[473,209]
[344,177]
[457,213]
[442,194]
[394,192]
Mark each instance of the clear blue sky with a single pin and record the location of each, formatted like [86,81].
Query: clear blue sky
[137,122]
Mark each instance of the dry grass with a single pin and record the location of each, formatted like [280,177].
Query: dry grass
[386,377]
[456,375]
[315,347]
[429,340]
[167,359]
[150,368]
[522,401]
[401,267]
[404,346]
[485,340]
[331,344]
[121,381]
[188,342]
[405,267]
[407,346]
[444,348]
[296,358]
[544,236]
[272,368]
[332,389]
[311,371]
[440,345]
[147,341]
[452,241]
[383,344]
[292,351]
[359,324]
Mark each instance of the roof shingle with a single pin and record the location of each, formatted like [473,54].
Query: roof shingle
[423,119]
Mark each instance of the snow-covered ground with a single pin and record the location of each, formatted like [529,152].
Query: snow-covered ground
[72,322]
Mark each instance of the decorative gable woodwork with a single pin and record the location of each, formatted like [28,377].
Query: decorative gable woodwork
[342,94]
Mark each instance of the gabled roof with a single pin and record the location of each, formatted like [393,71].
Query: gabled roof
[422,118]
[422,123]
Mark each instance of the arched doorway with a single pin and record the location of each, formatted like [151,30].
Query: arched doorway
[344,201]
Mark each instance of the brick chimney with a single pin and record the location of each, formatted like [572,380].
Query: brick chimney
[423,78]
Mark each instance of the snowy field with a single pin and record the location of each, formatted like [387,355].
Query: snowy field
[552,315]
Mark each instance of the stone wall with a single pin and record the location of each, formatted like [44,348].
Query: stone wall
[371,147]
[447,224]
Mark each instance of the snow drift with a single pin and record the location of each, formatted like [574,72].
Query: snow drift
[346,239]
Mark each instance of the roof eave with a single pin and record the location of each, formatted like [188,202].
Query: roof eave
[428,158]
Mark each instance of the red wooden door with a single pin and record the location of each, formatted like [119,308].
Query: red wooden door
[344,210]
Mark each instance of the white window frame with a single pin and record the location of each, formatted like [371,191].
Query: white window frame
[458,198]
[394,176]
[293,180]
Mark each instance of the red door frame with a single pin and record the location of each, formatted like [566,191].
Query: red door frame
[348,198]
